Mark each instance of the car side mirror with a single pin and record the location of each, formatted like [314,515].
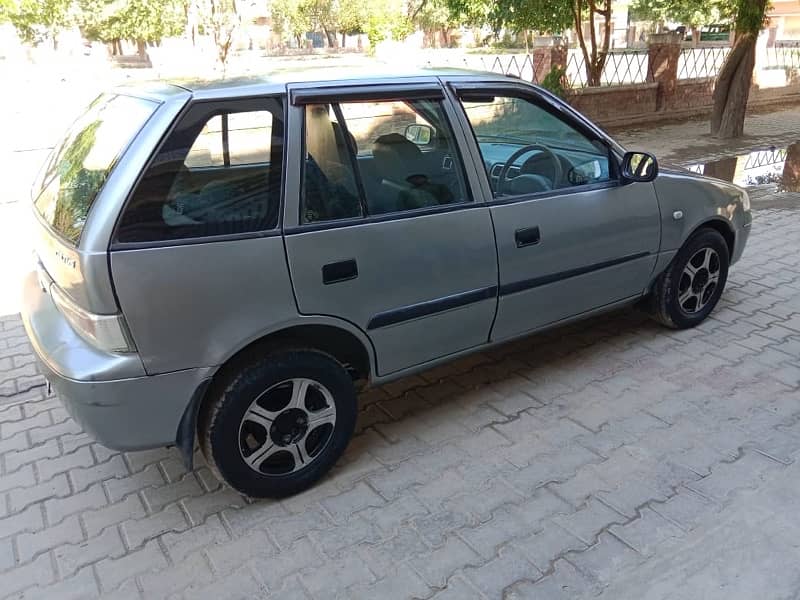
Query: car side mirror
[419,133]
[640,167]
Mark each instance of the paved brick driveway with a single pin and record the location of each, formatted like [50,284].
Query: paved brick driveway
[572,463]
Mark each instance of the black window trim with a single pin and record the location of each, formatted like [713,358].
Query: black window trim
[431,90]
[389,93]
[275,230]
[351,156]
[531,94]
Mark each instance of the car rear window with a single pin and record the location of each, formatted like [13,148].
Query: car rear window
[80,164]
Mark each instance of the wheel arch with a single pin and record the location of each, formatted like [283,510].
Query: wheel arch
[344,342]
[720,225]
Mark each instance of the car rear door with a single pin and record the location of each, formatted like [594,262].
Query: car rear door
[588,242]
[374,236]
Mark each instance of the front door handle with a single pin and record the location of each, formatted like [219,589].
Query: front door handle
[344,270]
[527,237]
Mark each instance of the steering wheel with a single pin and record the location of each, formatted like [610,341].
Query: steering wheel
[556,165]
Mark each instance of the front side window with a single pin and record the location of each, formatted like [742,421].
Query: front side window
[527,150]
[366,158]
[81,163]
[218,173]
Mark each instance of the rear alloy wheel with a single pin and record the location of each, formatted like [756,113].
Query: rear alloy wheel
[279,423]
[286,426]
[690,287]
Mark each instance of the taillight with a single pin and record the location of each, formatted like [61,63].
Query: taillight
[105,332]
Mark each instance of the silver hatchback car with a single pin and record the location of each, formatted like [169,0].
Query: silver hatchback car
[227,264]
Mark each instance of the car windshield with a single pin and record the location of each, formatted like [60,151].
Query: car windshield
[80,164]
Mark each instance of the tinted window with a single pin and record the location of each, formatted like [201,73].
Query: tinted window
[370,158]
[218,173]
[81,163]
[557,155]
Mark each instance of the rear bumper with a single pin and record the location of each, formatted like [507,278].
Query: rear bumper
[109,395]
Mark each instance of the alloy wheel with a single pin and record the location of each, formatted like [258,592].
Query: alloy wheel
[287,426]
[699,280]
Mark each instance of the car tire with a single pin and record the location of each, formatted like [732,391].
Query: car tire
[690,287]
[273,425]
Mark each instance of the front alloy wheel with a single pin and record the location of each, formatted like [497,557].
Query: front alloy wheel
[699,280]
[690,287]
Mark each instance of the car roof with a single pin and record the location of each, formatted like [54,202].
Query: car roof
[277,80]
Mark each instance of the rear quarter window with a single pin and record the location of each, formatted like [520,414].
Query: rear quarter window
[218,173]
[79,165]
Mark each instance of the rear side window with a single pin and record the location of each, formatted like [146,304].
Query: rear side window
[218,173]
[79,166]
[366,158]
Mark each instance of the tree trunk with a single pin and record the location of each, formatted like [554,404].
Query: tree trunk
[55,42]
[344,39]
[791,169]
[594,57]
[331,35]
[141,48]
[733,89]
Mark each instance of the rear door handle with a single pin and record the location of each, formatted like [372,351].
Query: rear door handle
[527,237]
[344,270]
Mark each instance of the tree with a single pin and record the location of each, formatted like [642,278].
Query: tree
[37,20]
[287,15]
[732,88]
[353,19]
[691,13]
[436,19]
[141,21]
[388,18]
[324,15]
[551,16]
[594,57]
[222,20]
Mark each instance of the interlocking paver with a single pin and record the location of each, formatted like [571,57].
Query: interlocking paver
[30,544]
[495,576]
[82,586]
[83,477]
[37,572]
[137,531]
[97,520]
[113,572]
[58,508]
[71,557]
[49,467]
[207,535]
[118,488]
[436,566]
[29,520]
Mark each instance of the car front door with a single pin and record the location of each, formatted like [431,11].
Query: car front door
[571,236]
[383,231]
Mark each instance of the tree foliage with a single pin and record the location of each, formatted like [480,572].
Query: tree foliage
[37,20]
[136,20]
[692,13]
[543,16]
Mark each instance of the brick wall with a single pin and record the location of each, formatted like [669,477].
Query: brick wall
[609,105]
[638,103]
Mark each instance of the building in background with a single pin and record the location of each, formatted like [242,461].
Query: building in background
[784,20]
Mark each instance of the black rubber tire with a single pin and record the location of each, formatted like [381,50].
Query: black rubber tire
[230,397]
[664,301]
